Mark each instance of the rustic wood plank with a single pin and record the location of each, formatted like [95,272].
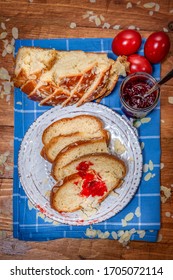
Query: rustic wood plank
[6,152]
[5,205]
[60,14]
[83,249]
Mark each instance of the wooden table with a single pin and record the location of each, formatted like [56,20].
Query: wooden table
[55,19]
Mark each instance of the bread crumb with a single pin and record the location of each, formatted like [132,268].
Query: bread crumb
[15,33]
[145,168]
[120,233]
[123,222]
[170,99]
[97,21]
[165,29]
[157,7]
[145,120]
[9,49]
[103,235]
[129,217]
[114,235]
[162,165]
[116,27]
[72,25]
[4,53]
[91,232]
[7,87]
[138,212]
[129,5]
[149,5]
[92,18]
[148,176]
[159,239]
[151,165]
[137,123]
[133,27]
[151,13]
[88,13]
[4,75]
[3,35]
[125,238]
[142,145]
[106,25]
[168,214]
[102,17]
[119,148]
[19,103]
[141,233]
[3,26]
[166,194]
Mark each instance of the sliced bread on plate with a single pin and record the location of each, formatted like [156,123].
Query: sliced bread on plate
[76,150]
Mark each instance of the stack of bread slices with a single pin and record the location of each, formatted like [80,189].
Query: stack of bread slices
[78,149]
[54,77]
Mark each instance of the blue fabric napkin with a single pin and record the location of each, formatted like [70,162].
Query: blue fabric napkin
[144,222]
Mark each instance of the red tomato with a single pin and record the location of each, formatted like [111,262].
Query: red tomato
[126,42]
[139,63]
[157,47]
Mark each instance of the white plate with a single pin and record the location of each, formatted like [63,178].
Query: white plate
[34,171]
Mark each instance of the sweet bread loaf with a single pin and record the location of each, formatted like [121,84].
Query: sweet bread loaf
[54,77]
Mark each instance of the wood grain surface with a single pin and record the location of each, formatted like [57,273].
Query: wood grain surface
[52,19]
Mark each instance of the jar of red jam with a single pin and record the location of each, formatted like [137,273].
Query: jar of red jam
[132,90]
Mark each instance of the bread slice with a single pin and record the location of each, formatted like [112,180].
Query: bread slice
[119,68]
[83,123]
[58,143]
[76,150]
[53,99]
[91,77]
[101,78]
[82,190]
[100,162]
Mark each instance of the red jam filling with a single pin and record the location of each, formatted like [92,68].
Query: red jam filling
[136,87]
[92,182]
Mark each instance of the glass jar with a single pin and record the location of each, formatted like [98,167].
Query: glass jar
[132,89]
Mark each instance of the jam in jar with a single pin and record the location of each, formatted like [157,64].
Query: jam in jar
[131,95]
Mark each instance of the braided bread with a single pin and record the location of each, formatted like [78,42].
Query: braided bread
[66,77]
